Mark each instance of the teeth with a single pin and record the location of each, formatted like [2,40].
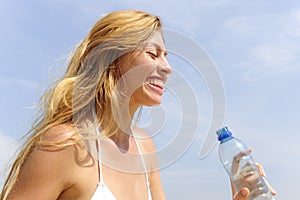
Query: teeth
[156,82]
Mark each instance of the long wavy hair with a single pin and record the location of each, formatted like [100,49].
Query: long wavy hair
[88,84]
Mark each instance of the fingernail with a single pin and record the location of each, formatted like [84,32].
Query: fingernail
[264,173]
[244,192]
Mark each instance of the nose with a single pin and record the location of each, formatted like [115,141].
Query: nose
[165,68]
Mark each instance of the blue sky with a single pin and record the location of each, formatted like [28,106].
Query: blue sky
[254,45]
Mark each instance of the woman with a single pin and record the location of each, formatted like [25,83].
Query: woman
[85,145]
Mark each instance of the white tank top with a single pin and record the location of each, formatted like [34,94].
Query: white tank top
[102,191]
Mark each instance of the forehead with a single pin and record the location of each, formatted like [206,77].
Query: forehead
[157,40]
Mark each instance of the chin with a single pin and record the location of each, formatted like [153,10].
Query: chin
[148,98]
[151,102]
[156,103]
[148,101]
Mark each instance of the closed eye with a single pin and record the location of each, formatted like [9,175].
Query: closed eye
[152,54]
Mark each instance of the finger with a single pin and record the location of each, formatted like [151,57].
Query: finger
[263,174]
[243,194]
[261,169]
[233,190]
[241,154]
[273,192]
[235,167]
[236,161]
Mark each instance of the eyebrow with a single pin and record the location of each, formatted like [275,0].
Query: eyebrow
[157,46]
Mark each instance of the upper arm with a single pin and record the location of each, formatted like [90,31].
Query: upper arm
[44,175]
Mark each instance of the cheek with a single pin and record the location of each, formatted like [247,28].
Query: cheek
[142,60]
[142,96]
[138,94]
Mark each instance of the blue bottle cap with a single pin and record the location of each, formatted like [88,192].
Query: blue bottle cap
[224,133]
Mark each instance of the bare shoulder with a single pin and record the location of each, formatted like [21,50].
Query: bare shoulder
[51,171]
[61,132]
[56,150]
[65,140]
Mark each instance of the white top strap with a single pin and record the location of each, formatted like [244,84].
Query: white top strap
[143,162]
[99,156]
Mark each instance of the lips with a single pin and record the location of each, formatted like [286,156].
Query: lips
[156,84]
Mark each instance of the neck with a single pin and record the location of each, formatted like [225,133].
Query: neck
[122,141]
[122,137]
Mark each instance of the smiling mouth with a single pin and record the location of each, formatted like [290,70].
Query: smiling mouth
[156,84]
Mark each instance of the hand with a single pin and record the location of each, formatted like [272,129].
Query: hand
[244,192]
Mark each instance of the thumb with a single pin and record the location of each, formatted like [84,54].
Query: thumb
[242,194]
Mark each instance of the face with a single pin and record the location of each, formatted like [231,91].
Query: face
[151,67]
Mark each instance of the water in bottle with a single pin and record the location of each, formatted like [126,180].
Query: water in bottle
[240,166]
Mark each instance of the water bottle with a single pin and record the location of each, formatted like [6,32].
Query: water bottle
[241,167]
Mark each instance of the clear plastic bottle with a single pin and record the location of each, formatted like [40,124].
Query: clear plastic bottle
[240,166]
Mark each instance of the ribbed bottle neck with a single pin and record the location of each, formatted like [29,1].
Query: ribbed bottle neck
[226,139]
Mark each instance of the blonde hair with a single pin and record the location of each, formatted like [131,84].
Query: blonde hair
[88,83]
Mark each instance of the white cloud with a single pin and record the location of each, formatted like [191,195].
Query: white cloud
[292,21]
[270,43]
[269,60]
[243,25]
